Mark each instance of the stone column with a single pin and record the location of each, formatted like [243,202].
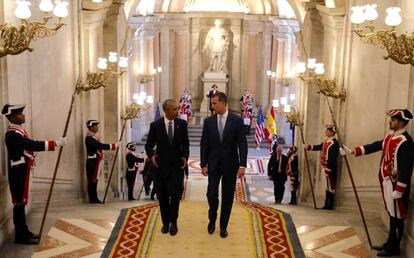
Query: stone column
[196,88]
[310,105]
[165,62]
[251,63]
[275,47]
[149,61]
[92,102]
[179,64]
[264,91]
[157,83]
[236,71]
[280,68]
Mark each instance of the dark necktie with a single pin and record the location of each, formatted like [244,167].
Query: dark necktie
[170,132]
[280,164]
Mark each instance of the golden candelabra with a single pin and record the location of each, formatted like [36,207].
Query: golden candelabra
[144,78]
[326,86]
[95,80]
[285,81]
[400,47]
[15,40]
[294,117]
[132,110]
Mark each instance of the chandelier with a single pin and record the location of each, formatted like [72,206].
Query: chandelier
[15,40]
[400,47]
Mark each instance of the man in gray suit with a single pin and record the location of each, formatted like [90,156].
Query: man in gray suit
[223,157]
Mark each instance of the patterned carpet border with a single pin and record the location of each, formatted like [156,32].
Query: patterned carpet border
[287,223]
[123,242]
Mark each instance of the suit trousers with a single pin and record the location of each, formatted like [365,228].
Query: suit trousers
[279,189]
[169,194]
[228,186]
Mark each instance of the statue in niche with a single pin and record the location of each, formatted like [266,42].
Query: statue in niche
[217,46]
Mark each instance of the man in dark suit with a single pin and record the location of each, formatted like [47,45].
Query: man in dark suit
[276,170]
[223,156]
[170,135]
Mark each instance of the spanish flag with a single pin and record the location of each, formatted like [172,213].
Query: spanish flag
[270,125]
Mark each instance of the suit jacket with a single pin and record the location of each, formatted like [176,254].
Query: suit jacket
[228,154]
[273,168]
[169,156]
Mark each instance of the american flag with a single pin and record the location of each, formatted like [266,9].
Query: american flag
[260,165]
[157,112]
[259,126]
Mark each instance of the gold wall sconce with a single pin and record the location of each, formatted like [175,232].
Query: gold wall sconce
[285,81]
[315,74]
[400,47]
[145,78]
[95,80]
[15,40]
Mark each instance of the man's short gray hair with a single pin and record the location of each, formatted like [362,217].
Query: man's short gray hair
[167,103]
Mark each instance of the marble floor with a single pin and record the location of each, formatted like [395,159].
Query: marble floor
[81,230]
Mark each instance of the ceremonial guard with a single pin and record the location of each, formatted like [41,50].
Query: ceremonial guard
[394,175]
[276,171]
[292,173]
[185,106]
[245,100]
[21,159]
[328,160]
[133,161]
[210,94]
[94,157]
[248,117]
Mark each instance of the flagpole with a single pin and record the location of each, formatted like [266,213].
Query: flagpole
[114,162]
[307,168]
[49,196]
[131,111]
[348,168]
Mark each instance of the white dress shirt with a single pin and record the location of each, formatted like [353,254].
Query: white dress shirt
[224,118]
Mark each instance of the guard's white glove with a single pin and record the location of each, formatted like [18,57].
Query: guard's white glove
[117,144]
[396,194]
[344,150]
[62,142]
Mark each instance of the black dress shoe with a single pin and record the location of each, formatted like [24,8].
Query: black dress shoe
[35,236]
[165,229]
[223,233]
[378,247]
[27,241]
[131,199]
[211,227]
[388,253]
[173,229]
